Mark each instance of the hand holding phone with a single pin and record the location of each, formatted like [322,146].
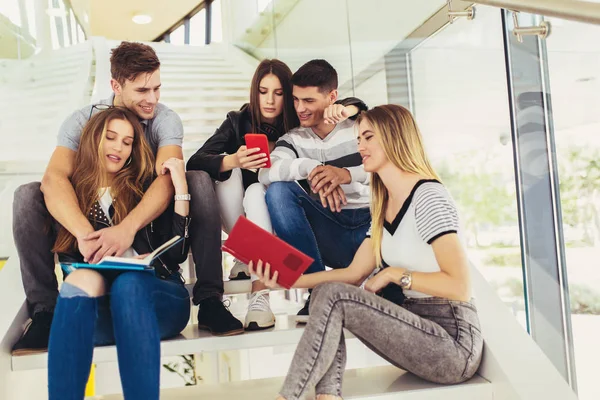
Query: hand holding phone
[254,158]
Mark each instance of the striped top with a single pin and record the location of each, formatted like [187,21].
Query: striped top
[299,151]
[427,214]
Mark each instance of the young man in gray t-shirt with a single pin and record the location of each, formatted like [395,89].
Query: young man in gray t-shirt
[135,71]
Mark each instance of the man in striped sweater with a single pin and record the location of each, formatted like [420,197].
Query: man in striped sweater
[318,195]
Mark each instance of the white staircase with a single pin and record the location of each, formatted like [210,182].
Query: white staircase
[202,84]
[376,383]
[37,94]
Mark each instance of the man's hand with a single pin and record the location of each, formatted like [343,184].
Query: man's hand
[334,200]
[336,113]
[112,241]
[88,247]
[176,168]
[328,175]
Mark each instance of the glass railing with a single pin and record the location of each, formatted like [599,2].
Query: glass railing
[31,26]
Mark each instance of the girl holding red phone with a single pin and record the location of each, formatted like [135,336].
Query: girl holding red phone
[235,153]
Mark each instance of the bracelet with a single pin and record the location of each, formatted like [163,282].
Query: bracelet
[185,197]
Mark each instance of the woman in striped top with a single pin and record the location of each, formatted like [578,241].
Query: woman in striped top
[416,311]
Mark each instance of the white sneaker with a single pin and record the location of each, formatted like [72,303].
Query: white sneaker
[239,271]
[259,314]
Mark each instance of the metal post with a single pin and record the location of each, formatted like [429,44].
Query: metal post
[208,24]
[186,30]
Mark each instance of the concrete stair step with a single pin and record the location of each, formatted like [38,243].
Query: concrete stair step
[192,85]
[372,383]
[190,341]
[173,94]
[198,105]
[201,75]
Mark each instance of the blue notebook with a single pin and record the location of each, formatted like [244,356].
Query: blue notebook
[123,263]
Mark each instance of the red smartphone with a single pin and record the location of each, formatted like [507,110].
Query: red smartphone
[259,140]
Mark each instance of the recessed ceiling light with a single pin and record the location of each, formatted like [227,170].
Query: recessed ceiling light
[141,19]
[585,79]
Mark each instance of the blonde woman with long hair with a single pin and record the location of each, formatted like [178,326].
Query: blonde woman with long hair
[416,311]
[113,166]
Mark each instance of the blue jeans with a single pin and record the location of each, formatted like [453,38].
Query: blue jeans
[139,311]
[329,238]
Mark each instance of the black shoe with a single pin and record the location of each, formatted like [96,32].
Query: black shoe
[36,335]
[302,316]
[216,318]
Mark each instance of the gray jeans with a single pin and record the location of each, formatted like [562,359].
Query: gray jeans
[436,339]
[34,233]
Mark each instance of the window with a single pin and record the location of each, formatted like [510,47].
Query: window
[216,26]
[198,29]
[178,35]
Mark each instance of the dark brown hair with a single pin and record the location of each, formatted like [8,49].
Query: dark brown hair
[284,74]
[126,188]
[130,59]
[317,73]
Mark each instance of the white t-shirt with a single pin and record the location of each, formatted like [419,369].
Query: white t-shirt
[105,201]
[428,213]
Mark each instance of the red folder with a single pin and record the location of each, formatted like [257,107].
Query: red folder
[249,242]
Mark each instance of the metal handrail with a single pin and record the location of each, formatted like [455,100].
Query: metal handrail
[574,10]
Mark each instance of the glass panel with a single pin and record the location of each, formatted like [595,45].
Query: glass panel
[461,105]
[250,25]
[216,26]
[72,27]
[10,10]
[198,28]
[54,35]
[261,5]
[574,68]
[178,36]
[30,10]
[80,34]
[374,43]
[296,43]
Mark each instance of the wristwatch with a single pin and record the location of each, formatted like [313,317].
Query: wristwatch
[186,197]
[406,280]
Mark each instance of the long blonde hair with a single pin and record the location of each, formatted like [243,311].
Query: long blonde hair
[89,176]
[397,131]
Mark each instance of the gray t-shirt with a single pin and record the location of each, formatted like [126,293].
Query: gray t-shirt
[164,129]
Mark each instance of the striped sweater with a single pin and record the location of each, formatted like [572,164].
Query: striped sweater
[300,150]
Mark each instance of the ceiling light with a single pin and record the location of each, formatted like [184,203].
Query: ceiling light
[141,19]
[585,79]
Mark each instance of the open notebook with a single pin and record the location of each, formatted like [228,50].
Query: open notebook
[123,263]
